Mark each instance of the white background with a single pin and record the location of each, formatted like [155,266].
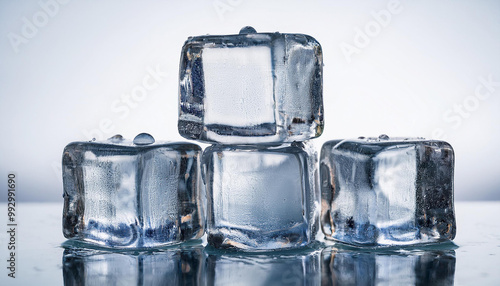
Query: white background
[405,68]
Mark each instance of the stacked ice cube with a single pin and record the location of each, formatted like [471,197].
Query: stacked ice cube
[383,191]
[258,98]
[132,194]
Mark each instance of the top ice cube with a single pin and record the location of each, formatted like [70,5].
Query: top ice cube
[251,88]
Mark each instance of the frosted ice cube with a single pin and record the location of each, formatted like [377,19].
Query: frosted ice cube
[384,192]
[425,267]
[177,266]
[126,194]
[260,197]
[281,268]
[251,88]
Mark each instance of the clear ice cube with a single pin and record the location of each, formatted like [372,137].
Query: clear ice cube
[261,197]
[137,194]
[251,88]
[387,192]
[281,268]
[425,267]
[178,266]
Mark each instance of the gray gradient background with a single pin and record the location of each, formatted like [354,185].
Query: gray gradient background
[74,74]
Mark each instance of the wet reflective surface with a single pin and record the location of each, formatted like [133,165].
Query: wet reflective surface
[299,267]
[177,266]
[43,257]
[433,266]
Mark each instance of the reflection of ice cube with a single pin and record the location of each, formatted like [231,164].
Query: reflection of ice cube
[95,267]
[299,268]
[251,88]
[387,192]
[351,267]
[261,197]
[118,194]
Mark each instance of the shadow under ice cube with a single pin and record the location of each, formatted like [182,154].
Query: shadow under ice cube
[385,192]
[261,197]
[137,194]
[251,88]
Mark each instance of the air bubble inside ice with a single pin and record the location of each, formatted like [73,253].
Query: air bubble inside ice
[247,30]
[144,139]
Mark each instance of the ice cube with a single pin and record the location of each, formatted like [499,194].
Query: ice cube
[349,267]
[386,192]
[136,194]
[251,88]
[281,268]
[177,266]
[261,197]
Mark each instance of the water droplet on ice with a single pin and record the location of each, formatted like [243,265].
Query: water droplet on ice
[144,139]
[383,137]
[361,137]
[247,30]
[116,139]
